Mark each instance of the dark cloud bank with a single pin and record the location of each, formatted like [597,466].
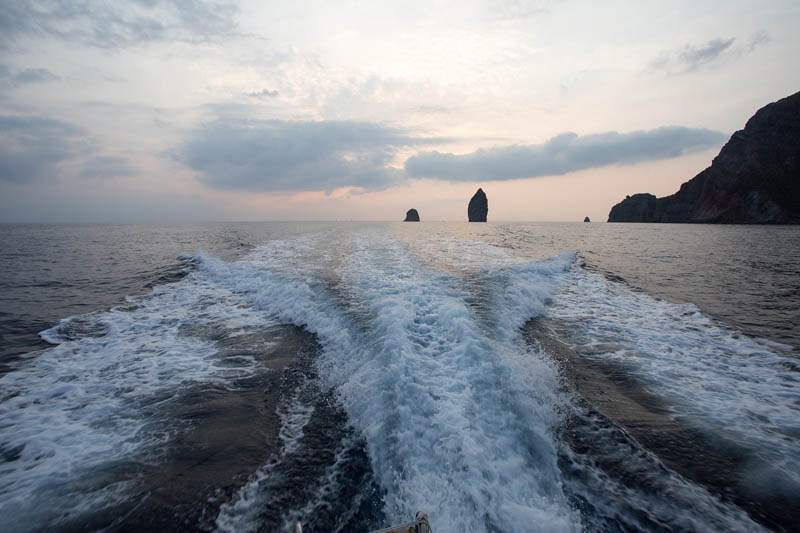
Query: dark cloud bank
[236,154]
[564,153]
[276,155]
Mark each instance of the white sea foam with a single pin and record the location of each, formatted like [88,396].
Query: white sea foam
[449,422]
[516,290]
[242,514]
[457,419]
[77,409]
[458,414]
[711,376]
[641,494]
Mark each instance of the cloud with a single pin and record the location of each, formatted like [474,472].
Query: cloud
[262,93]
[107,167]
[117,24]
[564,153]
[23,77]
[691,57]
[694,56]
[277,155]
[31,148]
[37,149]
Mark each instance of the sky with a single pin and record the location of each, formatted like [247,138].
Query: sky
[190,110]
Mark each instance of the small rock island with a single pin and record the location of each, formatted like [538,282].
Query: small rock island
[755,179]
[478,207]
[586,219]
[411,216]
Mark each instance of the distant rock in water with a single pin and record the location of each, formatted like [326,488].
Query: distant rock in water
[755,179]
[478,207]
[586,219]
[412,216]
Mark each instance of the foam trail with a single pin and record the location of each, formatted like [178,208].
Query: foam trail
[445,430]
[243,513]
[638,490]
[75,411]
[318,475]
[451,423]
[458,415]
[722,382]
[620,486]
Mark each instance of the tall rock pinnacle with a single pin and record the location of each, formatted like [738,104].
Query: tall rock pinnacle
[478,207]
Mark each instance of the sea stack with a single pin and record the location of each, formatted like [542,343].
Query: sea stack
[755,179]
[412,216]
[478,207]
[586,219]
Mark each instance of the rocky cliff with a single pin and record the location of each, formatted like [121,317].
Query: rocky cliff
[755,179]
[478,207]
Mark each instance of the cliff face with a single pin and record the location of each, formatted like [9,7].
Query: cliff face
[637,208]
[755,179]
[478,207]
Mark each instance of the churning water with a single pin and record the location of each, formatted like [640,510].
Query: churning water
[500,377]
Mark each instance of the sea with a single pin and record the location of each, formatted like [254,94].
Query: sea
[346,375]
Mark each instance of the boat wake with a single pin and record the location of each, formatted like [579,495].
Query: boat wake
[423,394]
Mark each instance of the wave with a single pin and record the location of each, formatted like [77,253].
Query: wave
[75,413]
[456,418]
[439,402]
[734,389]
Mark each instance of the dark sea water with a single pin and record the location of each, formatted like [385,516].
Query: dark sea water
[500,377]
